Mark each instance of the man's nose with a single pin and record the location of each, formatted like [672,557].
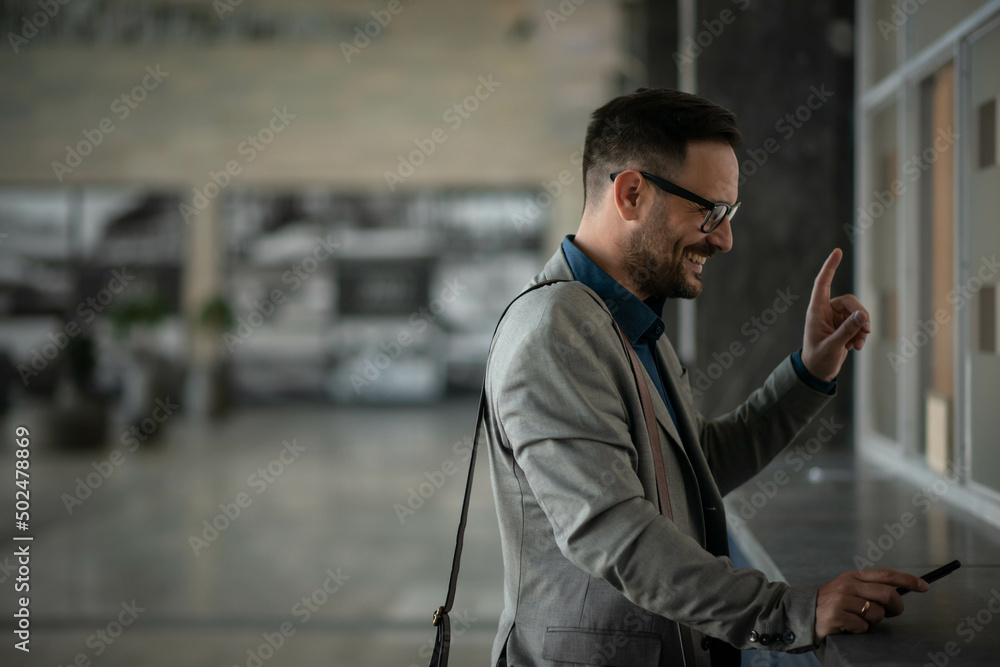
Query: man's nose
[722,236]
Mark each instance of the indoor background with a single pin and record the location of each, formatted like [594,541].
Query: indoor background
[252,253]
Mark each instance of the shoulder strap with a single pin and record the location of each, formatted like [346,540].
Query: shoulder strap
[442,643]
[687,642]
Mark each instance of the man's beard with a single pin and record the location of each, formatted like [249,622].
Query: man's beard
[651,267]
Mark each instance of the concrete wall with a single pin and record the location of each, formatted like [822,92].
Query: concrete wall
[765,59]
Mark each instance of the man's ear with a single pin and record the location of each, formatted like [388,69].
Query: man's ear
[630,193]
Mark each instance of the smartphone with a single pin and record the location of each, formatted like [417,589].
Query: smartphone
[934,575]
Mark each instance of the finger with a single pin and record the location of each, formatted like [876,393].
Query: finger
[845,617]
[888,576]
[821,286]
[874,614]
[845,334]
[882,595]
[848,304]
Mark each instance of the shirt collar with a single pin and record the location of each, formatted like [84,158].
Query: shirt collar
[638,319]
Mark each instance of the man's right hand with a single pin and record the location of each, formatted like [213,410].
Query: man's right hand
[840,602]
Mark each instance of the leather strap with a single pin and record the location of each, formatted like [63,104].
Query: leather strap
[442,642]
[651,427]
[687,642]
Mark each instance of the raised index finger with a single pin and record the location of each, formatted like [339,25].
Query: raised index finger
[821,286]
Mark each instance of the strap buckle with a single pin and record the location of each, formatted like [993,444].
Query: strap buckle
[438,615]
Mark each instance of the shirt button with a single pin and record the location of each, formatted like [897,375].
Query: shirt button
[765,639]
[753,636]
[789,637]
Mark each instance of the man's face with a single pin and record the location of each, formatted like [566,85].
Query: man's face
[665,254]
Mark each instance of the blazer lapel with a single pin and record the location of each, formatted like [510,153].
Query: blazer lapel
[558,267]
[714,513]
[665,422]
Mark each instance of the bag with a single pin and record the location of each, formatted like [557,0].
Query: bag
[442,641]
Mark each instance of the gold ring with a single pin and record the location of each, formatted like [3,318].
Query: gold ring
[865,608]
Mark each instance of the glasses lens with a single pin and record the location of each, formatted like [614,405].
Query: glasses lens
[717,215]
[713,219]
[732,211]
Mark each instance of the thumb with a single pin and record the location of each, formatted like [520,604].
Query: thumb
[848,328]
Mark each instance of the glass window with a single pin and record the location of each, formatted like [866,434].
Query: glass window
[883,39]
[978,289]
[930,19]
[878,217]
[933,334]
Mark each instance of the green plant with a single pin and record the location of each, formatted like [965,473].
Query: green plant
[216,315]
[144,310]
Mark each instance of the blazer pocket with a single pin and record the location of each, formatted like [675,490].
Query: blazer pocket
[612,648]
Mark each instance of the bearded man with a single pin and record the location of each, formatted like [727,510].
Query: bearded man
[594,572]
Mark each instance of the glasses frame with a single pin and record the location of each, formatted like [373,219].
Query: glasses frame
[665,185]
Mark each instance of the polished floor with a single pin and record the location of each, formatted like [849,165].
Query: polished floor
[314,535]
[317,550]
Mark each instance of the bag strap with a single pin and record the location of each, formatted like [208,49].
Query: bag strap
[442,642]
[687,642]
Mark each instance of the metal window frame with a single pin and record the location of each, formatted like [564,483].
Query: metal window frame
[902,87]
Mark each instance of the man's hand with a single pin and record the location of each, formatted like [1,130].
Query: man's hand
[833,327]
[840,602]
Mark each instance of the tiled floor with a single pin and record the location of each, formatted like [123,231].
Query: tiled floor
[324,517]
[321,548]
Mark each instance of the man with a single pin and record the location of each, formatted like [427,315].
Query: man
[594,574]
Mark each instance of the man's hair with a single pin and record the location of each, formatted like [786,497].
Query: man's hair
[649,129]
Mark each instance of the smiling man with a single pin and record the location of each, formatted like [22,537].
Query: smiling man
[594,573]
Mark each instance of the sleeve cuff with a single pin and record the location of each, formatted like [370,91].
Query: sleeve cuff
[811,381]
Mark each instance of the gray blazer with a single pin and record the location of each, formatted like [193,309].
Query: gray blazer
[593,574]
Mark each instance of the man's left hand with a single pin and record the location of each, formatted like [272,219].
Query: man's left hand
[833,326]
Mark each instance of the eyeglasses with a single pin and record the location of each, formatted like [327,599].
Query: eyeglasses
[717,212]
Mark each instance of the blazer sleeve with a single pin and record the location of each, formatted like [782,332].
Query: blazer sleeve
[738,444]
[555,383]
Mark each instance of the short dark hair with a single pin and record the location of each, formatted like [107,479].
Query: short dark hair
[649,129]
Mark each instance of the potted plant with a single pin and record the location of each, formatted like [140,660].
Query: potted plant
[133,323]
[215,392]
